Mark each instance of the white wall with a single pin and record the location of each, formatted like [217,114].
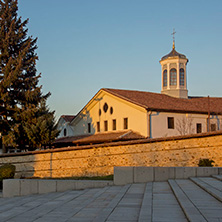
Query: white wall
[62,125]
[183,123]
[137,116]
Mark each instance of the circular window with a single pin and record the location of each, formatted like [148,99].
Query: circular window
[111,110]
[105,107]
[100,112]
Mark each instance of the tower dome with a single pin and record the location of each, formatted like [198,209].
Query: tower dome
[174,77]
[174,53]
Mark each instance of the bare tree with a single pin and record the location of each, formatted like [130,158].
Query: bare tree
[184,126]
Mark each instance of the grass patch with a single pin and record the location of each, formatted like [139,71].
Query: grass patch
[108,177]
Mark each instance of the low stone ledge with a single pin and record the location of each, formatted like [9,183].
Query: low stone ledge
[22,187]
[127,175]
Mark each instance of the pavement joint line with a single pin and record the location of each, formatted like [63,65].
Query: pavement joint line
[40,204]
[218,177]
[205,180]
[208,188]
[148,197]
[186,204]
[85,191]
[19,202]
[104,215]
[89,200]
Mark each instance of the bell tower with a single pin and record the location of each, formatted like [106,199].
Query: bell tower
[174,73]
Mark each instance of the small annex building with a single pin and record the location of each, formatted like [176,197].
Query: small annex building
[64,126]
[145,114]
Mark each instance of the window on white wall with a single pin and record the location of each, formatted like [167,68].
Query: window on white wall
[89,128]
[213,127]
[199,128]
[64,132]
[114,124]
[170,121]
[98,126]
[105,125]
[125,123]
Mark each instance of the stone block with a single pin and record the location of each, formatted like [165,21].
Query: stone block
[102,183]
[123,175]
[185,172]
[220,170]
[143,174]
[164,173]
[63,185]
[47,186]
[28,187]
[206,171]
[84,184]
[11,188]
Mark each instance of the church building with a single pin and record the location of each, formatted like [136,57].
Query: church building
[114,114]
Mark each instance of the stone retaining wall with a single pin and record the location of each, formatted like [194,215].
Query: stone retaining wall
[100,159]
[23,187]
[127,175]
[122,176]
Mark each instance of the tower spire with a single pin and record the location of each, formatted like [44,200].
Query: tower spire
[173,34]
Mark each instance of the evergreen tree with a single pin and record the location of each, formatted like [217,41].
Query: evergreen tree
[42,131]
[20,94]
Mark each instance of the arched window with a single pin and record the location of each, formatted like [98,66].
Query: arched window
[173,77]
[165,77]
[181,77]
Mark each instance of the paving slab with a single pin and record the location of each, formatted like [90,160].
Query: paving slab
[201,200]
[188,207]
[165,206]
[210,185]
[152,201]
[219,177]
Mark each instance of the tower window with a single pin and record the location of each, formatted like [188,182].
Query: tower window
[173,77]
[170,122]
[181,77]
[125,123]
[165,77]
[105,125]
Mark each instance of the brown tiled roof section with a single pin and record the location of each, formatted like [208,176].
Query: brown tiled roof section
[162,102]
[109,137]
[68,139]
[68,118]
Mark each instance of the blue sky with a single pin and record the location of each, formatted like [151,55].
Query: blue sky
[85,45]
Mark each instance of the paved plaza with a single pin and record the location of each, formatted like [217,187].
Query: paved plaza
[195,199]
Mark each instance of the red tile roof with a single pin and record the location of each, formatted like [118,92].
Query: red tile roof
[162,102]
[109,137]
[99,138]
[68,139]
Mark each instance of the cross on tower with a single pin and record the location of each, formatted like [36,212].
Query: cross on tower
[173,38]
